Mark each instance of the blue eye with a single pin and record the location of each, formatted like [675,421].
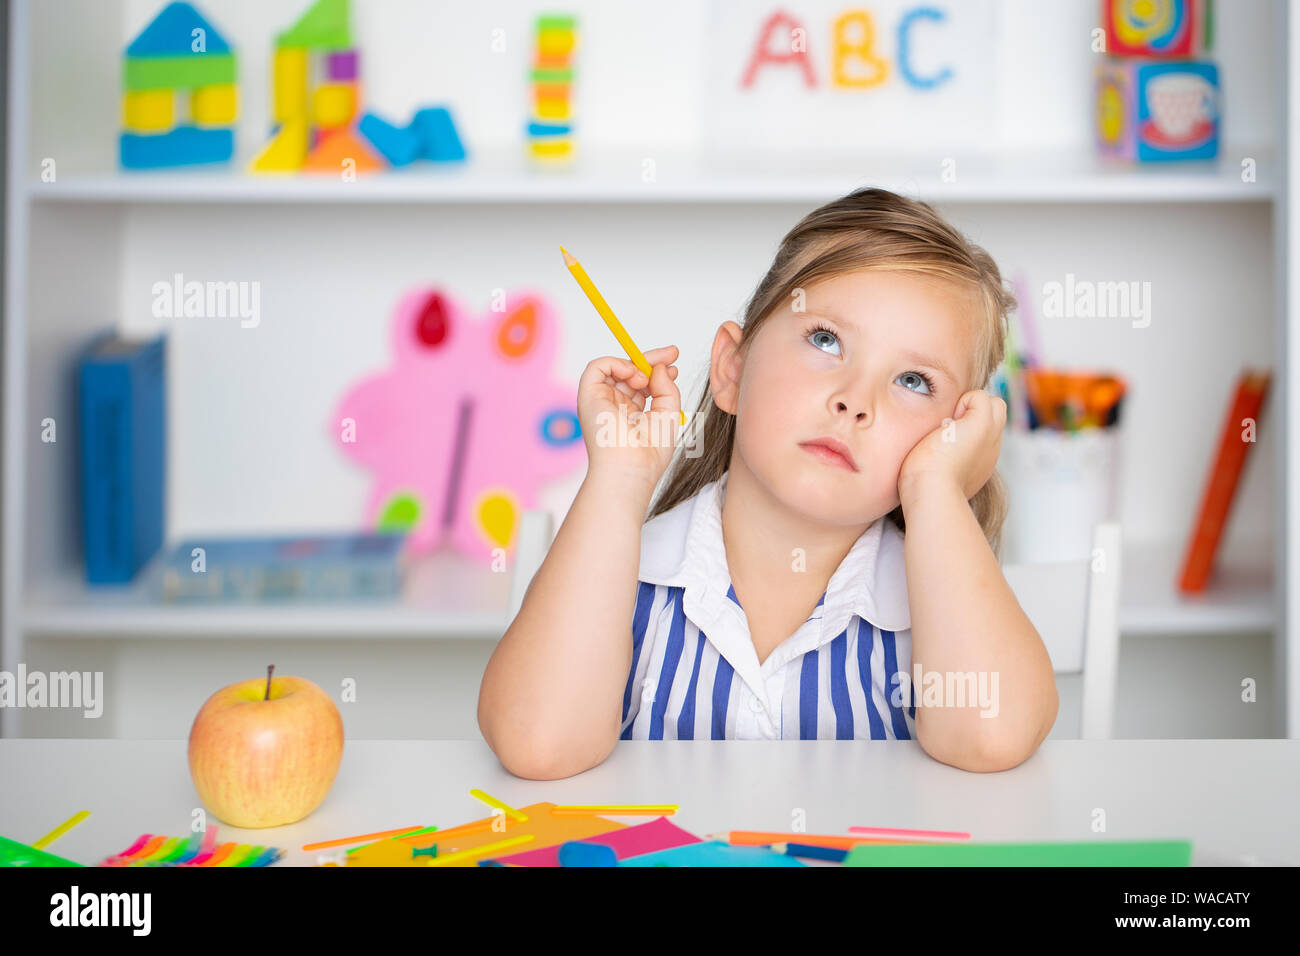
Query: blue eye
[924,379]
[821,330]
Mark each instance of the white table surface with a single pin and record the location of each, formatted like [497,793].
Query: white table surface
[1236,800]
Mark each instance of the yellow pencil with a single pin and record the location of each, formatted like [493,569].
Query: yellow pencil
[61,829]
[492,801]
[450,858]
[608,315]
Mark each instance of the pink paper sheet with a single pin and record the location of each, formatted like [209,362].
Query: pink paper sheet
[658,834]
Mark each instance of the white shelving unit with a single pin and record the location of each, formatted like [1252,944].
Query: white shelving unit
[614,176]
[78,246]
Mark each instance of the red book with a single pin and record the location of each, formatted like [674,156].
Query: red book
[1221,487]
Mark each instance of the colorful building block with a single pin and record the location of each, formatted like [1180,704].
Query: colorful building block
[399,146]
[439,140]
[323,27]
[333,105]
[549,129]
[1158,28]
[1151,111]
[148,111]
[179,72]
[172,34]
[179,53]
[287,150]
[342,65]
[289,83]
[181,146]
[215,105]
[336,148]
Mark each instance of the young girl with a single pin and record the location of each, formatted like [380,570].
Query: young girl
[823,559]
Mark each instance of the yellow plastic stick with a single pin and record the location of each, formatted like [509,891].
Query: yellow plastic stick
[481,850]
[61,829]
[608,315]
[492,801]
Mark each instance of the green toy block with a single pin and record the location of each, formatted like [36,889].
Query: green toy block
[178,72]
[554,22]
[323,27]
[548,75]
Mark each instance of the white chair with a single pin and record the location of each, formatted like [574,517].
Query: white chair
[1074,605]
[536,528]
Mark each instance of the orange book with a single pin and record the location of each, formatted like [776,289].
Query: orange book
[1221,487]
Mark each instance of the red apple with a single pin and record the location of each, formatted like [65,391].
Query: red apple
[264,752]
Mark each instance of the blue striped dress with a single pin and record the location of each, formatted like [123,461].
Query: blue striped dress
[695,672]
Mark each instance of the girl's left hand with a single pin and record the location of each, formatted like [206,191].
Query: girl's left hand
[964,449]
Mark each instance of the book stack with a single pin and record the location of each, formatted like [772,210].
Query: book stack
[550,125]
[318,568]
[120,401]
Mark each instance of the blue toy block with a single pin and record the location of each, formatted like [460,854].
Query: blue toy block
[577,853]
[171,33]
[437,134]
[549,129]
[182,146]
[398,146]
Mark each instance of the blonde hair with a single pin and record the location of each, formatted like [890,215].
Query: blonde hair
[867,229]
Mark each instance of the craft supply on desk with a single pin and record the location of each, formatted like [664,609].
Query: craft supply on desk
[61,829]
[493,802]
[920,834]
[1094,853]
[199,849]
[364,838]
[606,313]
[811,851]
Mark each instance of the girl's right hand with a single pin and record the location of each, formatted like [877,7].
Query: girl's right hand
[622,437]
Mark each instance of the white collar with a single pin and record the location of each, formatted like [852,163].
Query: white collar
[683,547]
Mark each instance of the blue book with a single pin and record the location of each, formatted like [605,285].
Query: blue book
[313,568]
[121,405]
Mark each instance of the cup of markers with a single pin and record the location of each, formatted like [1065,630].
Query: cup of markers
[1059,459]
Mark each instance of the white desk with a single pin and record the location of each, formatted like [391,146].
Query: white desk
[1236,800]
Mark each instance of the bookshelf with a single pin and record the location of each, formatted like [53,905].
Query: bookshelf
[245,453]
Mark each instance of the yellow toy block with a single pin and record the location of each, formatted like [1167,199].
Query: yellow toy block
[551,148]
[290,84]
[555,42]
[216,105]
[552,107]
[287,152]
[334,105]
[149,111]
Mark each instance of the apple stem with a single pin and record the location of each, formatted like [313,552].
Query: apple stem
[268,682]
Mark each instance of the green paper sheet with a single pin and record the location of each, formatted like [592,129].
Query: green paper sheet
[20,854]
[1096,853]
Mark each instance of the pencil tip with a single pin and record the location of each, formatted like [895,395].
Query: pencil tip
[568,259]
